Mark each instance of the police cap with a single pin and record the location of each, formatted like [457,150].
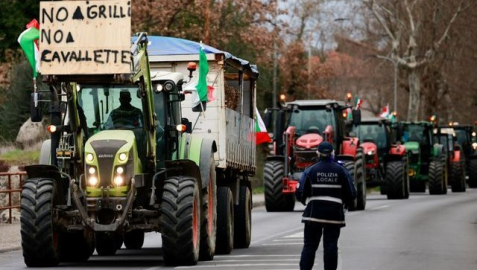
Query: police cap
[325,149]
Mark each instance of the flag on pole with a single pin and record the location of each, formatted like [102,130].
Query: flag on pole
[261,134]
[28,40]
[385,112]
[359,102]
[201,87]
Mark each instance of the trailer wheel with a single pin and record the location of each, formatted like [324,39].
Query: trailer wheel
[275,200]
[243,219]
[134,239]
[76,246]
[225,221]
[209,216]
[437,177]
[473,173]
[458,176]
[39,234]
[107,243]
[180,220]
[396,178]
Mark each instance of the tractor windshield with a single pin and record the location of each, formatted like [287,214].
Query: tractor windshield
[315,119]
[372,132]
[111,107]
[462,138]
[416,133]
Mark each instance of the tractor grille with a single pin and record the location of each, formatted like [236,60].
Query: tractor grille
[106,151]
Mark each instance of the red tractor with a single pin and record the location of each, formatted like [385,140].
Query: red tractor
[386,163]
[300,126]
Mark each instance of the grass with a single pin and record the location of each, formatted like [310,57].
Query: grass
[18,157]
[257,190]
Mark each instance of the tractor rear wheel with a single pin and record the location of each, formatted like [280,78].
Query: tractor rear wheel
[38,232]
[437,177]
[473,173]
[361,183]
[76,246]
[208,231]
[243,219]
[275,200]
[350,166]
[396,180]
[458,176]
[134,239]
[225,221]
[181,220]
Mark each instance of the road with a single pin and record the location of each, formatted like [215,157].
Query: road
[424,232]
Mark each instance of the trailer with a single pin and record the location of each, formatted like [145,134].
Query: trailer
[228,120]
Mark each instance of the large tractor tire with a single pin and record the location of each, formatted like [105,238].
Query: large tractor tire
[396,180]
[225,221]
[38,232]
[107,243]
[76,246]
[243,219]
[208,231]
[458,176]
[181,220]
[275,199]
[473,173]
[437,177]
[361,183]
[134,239]
[350,166]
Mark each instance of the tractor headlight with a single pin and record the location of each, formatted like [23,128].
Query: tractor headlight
[474,145]
[92,181]
[123,157]
[119,170]
[89,157]
[92,170]
[370,153]
[118,180]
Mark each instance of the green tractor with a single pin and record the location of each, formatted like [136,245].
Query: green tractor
[427,159]
[455,157]
[100,185]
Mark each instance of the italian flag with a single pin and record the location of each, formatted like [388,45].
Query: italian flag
[385,112]
[28,40]
[358,103]
[261,134]
[201,87]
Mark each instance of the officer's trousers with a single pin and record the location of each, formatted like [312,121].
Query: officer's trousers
[312,236]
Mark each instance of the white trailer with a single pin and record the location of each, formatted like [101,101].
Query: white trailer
[228,119]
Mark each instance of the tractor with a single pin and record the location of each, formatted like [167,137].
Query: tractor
[455,157]
[427,159]
[300,127]
[100,185]
[386,163]
[467,139]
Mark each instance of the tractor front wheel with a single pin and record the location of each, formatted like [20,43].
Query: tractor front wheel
[181,220]
[396,180]
[458,176]
[275,199]
[437,177]
[40,238]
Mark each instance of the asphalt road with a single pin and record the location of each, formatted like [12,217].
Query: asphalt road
[424,232]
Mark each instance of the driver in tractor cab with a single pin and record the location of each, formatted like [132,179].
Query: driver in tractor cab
[312,125]
[370,135]
[126,115]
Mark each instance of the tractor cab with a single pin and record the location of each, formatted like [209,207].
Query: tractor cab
[376,131]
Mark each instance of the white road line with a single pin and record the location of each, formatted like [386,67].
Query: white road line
[379,207]
[268,265]
[287,240]
[256,255]
[283,244]
[296,235]
[276,235]
[247,261]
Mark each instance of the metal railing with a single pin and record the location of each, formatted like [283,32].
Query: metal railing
[9,191]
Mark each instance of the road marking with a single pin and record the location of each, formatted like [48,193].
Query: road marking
[276,236]
[287,240]
[283,244]
[268,265]
[256,255]
[296,235]
[379,207]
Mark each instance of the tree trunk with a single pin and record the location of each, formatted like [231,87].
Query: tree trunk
[414,95]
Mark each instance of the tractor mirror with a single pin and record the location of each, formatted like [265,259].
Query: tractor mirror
[268,119]
[36,113]
[356,116]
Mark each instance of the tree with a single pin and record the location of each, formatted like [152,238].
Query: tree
[405,24]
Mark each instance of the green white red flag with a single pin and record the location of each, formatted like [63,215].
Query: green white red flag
[28,40]
[201,87]
[358,103]
[261,134]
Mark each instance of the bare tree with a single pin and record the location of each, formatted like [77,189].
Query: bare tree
[404,23]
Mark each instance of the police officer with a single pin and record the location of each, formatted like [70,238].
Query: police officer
[329,188]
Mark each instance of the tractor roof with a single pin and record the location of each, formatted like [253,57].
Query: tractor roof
[375,120]
[318,102]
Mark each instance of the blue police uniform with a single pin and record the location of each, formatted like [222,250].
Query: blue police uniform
[329,188]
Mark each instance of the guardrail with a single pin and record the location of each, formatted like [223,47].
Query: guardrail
[9,191]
